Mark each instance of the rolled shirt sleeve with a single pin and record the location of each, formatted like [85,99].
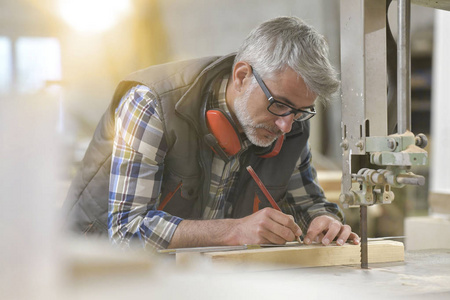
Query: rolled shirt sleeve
[137,166]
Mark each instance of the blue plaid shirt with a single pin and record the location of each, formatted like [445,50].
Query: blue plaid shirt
[137,168]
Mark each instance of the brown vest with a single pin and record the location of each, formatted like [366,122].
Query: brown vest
[179,88]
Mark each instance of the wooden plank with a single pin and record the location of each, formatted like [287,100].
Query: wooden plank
[315,255]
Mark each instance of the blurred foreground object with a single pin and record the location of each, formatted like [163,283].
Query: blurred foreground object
[29,255]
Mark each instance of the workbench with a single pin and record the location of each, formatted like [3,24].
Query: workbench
[425,274]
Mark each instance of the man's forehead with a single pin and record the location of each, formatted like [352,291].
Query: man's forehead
[291,89]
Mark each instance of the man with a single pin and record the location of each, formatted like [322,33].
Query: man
[167,164]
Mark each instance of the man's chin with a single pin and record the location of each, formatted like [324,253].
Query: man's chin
[260,137]
[261,142]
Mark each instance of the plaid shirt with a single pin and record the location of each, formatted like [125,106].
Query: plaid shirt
[137,168]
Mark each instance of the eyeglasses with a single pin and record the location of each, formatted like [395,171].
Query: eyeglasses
[282,109]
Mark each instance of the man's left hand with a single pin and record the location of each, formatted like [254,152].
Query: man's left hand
[325,229]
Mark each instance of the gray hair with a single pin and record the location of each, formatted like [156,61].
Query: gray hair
[289,42]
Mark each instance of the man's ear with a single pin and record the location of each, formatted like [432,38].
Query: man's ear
[242,73]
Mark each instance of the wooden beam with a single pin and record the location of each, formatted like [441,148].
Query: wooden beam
[315,255]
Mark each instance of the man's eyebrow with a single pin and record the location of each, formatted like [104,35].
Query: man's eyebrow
[287,101]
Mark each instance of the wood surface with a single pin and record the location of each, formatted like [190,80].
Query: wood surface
[315,255]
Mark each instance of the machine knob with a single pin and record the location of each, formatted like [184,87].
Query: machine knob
[421,140]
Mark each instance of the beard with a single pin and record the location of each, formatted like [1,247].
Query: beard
[250,126]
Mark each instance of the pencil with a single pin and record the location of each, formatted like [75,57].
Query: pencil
[263,188]
[267,194]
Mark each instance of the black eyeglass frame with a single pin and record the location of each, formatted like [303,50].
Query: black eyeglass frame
[306,115]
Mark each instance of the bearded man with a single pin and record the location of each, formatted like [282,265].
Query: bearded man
[166,167]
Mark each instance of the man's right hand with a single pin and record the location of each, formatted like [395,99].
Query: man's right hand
[267,226]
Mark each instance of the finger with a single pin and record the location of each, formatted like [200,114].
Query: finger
[354,238]
[261,240]
[319,238]
[281,231]
[269,232]
[273,238]
[299,231]
[344,235]
[333,230]
[316,227]
[270,226]
[286,221]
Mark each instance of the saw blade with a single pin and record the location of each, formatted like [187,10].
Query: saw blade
[363,224]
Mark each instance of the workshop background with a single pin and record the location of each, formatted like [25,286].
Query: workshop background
[60,61]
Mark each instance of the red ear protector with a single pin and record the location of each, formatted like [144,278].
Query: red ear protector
[273,149]
[224,131]
[223,136]
[225,139]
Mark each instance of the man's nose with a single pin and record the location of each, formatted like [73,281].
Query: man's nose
[285,123]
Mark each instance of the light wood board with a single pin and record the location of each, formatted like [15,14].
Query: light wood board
[311,255]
